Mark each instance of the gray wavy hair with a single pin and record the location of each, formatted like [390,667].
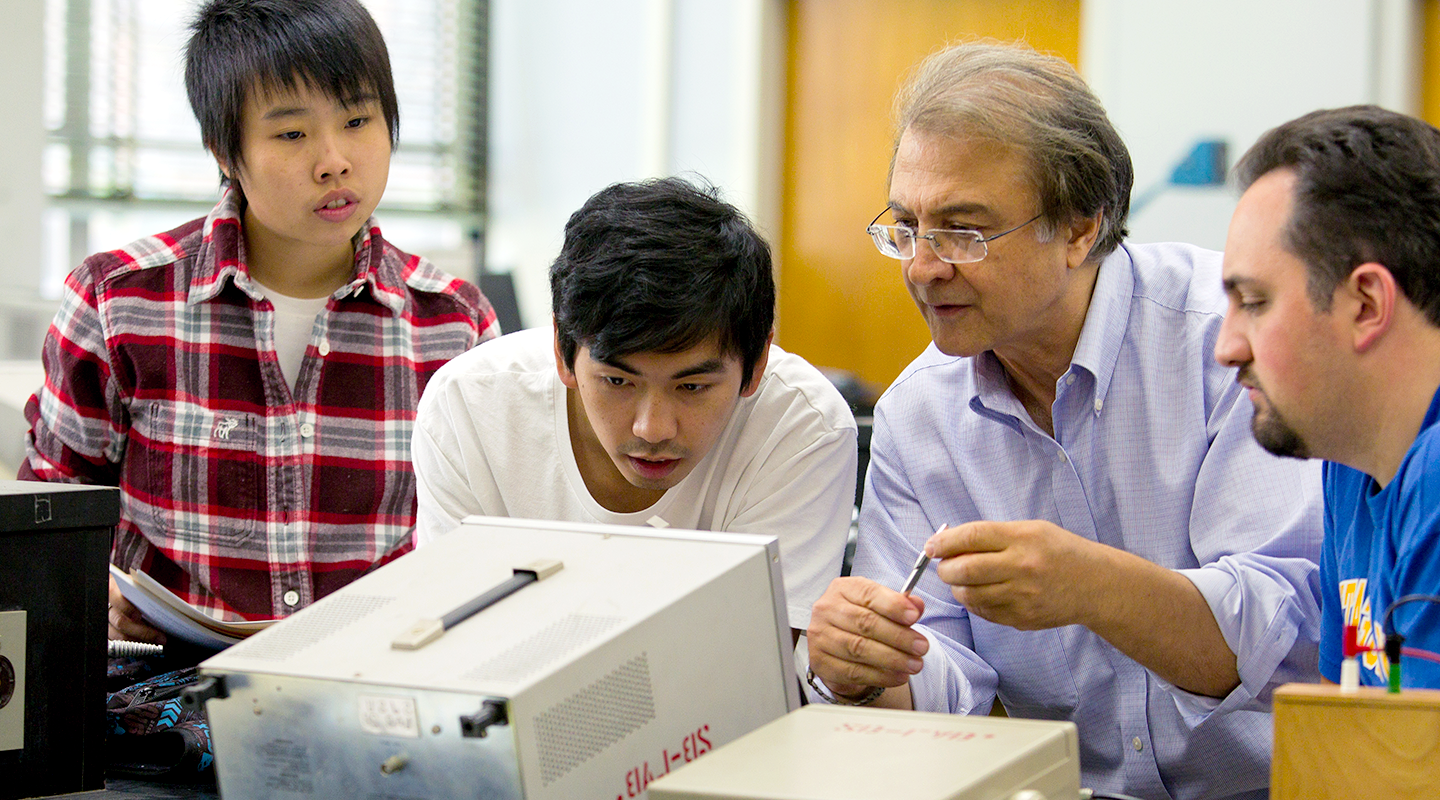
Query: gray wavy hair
[1038,103]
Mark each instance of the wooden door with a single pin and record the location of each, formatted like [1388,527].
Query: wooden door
[1430,63]
[842,304]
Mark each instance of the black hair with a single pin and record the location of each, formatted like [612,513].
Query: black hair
[240,46]
[660,266]
[1367,189]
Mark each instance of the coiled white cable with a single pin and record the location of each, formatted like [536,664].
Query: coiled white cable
[119,648]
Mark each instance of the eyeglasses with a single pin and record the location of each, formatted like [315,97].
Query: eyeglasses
[951,246]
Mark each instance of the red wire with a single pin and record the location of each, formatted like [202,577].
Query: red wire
[1415,652]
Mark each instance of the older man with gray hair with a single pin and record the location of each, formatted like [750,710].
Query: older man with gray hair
[1113,548]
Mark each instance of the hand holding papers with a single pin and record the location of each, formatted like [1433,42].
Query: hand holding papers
[178,618]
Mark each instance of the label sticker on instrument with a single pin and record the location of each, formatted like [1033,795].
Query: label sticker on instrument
[383,715]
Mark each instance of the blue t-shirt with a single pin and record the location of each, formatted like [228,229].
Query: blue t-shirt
[1382,544]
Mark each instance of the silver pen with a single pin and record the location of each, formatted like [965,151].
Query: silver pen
[919,568]
[915,573]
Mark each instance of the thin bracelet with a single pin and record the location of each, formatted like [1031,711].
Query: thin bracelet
[835,699]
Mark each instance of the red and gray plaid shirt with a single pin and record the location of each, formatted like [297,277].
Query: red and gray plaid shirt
[241,496]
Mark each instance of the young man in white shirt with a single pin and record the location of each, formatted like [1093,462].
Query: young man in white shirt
[658,398]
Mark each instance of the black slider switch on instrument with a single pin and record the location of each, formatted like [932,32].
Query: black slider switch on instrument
[425,631]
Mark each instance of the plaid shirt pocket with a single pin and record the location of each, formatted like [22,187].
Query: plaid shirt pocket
[204,471]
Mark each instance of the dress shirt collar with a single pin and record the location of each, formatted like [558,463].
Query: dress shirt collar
[1106,322]
[221,258]
[1096,352]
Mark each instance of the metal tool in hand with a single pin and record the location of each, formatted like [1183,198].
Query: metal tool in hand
[919,568]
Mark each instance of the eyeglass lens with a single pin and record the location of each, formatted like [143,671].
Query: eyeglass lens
[956,247]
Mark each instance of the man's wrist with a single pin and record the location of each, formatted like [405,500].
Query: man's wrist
[1102,612]
[835,698]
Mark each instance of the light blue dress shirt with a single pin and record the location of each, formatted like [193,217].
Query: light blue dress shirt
[1152,454]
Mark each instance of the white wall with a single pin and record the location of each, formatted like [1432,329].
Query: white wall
[22,197]
[21,193]
[1172,73]
[586,94]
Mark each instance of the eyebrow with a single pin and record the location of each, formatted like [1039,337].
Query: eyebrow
[1236,282]
[954,209]
[282,112]
[709,366]
[360,100]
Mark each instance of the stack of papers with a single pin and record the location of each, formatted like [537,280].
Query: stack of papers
[177,618]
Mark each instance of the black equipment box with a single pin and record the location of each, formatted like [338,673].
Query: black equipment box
[54,552]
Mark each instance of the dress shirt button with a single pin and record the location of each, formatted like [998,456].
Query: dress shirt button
[307,430]
[1062,457]
[1069,379]
[1137,744]
[1098,405]
[324,348]
[292,598]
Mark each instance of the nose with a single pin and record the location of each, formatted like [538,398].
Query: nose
[654,419]
[926,267]
[331,160]
[1231,347]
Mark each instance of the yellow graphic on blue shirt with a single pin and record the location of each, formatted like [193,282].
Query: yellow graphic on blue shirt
[1355,606]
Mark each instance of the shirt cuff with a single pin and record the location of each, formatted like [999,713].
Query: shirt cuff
[1215,586]
[942,685]
[1261,647]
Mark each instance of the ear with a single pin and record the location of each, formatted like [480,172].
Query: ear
[567,375]
[752,382]
[1082,235]
[1371,298]
[225,168]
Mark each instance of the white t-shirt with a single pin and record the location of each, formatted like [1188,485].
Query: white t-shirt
[294,325]
[492,437]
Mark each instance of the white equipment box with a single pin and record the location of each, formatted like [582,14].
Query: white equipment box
[846,753]
[647,649]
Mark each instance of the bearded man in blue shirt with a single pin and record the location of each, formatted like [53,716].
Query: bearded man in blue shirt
[1116,550]
[1332,267]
